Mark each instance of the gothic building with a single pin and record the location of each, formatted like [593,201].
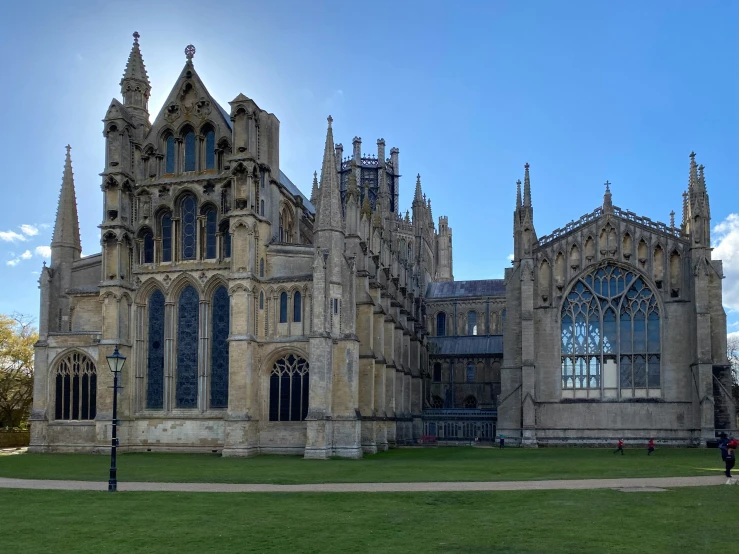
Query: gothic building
[256,320]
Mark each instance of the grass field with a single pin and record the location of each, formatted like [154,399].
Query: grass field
[700,519]
[401,465]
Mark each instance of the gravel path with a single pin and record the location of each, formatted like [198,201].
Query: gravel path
[632,484]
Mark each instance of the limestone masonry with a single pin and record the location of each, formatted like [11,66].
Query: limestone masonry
[256,320]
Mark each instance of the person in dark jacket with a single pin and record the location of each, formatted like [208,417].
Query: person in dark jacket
[730,457]
[723,446]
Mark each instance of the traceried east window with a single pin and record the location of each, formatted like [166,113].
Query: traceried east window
[188,228]
[610,318]
[288,389]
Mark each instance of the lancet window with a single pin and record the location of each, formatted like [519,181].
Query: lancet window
[155,355]
[219,349]
[188,216]
[187,348]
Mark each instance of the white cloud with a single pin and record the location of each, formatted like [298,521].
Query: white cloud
[13,262]
[43,251]
[726,240]
[26,255]
[30,230]
[11,236]
[44,225]
[510,256]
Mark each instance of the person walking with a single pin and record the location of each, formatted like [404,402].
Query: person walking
[730,458]
[723,446]
[502,441]
[620,447]
[650,447]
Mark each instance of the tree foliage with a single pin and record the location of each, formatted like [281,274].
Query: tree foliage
[732,353]
[17,337]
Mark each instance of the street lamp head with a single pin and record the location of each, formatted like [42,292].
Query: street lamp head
[116,360]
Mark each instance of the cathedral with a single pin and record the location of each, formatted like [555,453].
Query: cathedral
[255,319]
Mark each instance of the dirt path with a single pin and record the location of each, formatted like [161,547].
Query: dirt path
[630,484]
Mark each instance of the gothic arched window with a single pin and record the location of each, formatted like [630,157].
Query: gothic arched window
[470,372]
[210,150]
[76,388]
[187,348]
[282,228]
[610,319]
[296,307]
[155,353]
[261,267]
[190,151]
[472,323]
[148,247]
[283,307]
[441,324]
[288,389]
[261,300]
[470,402]
[225,240]
[167,238]
[219,349]
[437,373]
[169,156]
[210,234]
[188,216]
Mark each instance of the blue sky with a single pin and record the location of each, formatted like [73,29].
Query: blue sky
[584,91]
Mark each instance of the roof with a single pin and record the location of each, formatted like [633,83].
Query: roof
[457,289]
[288,184]
[224,113]
[466,345]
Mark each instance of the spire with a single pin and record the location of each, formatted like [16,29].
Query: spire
[418,194]
[135,86]
[329,214]
[518,193]
[685,210]
[607,199]
[67,228]
[693,178]
[701,179]
[526,187]
[314,190]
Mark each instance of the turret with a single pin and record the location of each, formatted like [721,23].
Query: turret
[136,89]
[698,220]
[444,271]
[524,234]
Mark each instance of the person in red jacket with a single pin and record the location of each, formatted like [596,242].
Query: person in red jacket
[620,447]
[650,447]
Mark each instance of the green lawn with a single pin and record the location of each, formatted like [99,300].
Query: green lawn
[692,520]
[429,464]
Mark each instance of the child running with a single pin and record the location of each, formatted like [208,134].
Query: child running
[650,447]
[620,447]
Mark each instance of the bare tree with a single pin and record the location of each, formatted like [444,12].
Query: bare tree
[17,337]
[732,353]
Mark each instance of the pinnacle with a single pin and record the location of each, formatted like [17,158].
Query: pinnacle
[526,187]
[135,68]
[314,190]
[418,194]
[518,193]
[66,227]
[329,214]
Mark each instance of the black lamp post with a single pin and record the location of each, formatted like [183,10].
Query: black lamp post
[115,362]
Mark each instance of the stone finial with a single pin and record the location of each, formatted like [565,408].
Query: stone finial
[314,190]
[518,193]
[607,199]
[672,220]
[526,186]
[330,121]
[189,52]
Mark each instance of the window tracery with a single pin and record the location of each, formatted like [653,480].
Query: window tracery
[155,353]
[611,315]
[219,349]
[76,388]
[188,216]
[288,389]
[210,233]
[187,348]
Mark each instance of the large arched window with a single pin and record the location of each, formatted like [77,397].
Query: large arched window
[472,323]
[219,349]
[187,348]
[169,156]
[148,240]
[288,389]
[155,353]
[283,307]
[210,233]
[441,324]
[210,149]
[297,308]
[188,216]
[76,388]
[167,237]
[190,151]
[610,319]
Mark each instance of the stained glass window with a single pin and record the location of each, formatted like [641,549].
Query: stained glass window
[472,323]
[210,150]
[611,313]
[155,353]
[296,307]
[148,247]
[288,389]
[210,234]
[190,151]
[219,350]
[169,159]
[167,238]
[188,228]
[261,300]
[76,388]
[187,348]
[441,324]
[470,373]
[283,307]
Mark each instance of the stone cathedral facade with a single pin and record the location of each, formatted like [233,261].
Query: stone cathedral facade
[257,320]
